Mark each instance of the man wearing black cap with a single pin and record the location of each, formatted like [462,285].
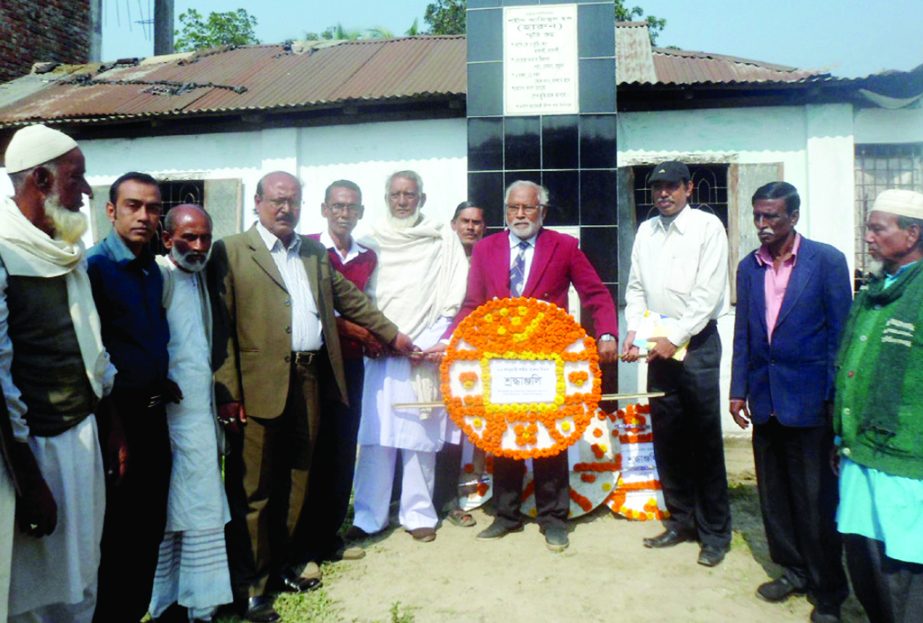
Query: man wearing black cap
[679,272]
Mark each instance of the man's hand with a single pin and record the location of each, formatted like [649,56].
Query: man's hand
[115,459]
[835,461]
[740,412]
[404,345]
[232,416]
[172,392]
[36,510]
[630,352]
[608,350]
[662,349]
[434,353]
[371,345]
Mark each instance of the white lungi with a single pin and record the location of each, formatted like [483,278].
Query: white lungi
[192,566]
[384,430]
[54,577]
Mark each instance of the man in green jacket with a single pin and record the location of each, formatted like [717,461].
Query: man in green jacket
[276,350]
[878,417]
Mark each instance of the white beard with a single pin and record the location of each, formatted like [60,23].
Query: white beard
[403,223]
[68,226]
[183,262]
[876,268]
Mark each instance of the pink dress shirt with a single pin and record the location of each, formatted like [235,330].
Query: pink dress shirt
[776,282]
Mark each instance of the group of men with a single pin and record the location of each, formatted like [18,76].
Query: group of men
[126,376]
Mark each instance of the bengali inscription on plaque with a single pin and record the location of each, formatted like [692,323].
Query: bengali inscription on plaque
[522,381]
[540,60]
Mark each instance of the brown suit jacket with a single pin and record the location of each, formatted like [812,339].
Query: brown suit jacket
[252,316]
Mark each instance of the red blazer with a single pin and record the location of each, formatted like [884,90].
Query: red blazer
[557,262]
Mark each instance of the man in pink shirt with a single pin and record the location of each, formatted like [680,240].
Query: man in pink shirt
[793,295]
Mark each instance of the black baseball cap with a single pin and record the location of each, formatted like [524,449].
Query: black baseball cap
[670,171]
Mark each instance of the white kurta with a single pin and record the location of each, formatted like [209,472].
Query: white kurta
[388,381]
[192,567]
[197,500]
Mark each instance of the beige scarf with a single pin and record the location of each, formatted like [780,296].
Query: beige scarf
[27,251]
[422,275]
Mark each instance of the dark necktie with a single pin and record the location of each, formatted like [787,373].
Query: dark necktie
[518,270]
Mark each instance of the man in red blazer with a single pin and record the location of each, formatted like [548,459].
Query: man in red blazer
[528,260]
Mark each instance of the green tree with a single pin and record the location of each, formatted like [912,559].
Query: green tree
[447,17]
[654,24]
[227,28]
[339,33]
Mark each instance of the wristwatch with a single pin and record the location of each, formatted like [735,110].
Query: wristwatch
[606,337]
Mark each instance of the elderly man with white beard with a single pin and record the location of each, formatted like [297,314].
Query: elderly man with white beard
[53,370]
[419,285]
[192,568]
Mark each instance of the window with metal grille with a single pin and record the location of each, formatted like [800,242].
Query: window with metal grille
[172,194]
[878,168]
[710,192]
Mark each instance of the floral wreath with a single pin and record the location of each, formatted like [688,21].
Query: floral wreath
[534,333]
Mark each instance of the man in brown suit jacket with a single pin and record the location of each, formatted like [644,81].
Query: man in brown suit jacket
[277,349]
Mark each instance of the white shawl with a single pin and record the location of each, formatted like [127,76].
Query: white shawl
[27,251]
[421,277]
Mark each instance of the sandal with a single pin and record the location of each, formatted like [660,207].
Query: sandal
[458,517]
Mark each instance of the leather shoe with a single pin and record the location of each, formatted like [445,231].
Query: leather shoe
[667,538]
[778,590]
[711,556]
[556,538]
[260,610]
[292,583]
[497,530]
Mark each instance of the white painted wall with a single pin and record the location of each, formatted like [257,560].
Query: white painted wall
[877,125]
[364,153]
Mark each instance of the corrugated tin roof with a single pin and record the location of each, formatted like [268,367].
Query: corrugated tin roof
[251,78]
[685,67]
[303,76]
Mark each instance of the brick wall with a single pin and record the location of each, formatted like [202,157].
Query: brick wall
[49,30]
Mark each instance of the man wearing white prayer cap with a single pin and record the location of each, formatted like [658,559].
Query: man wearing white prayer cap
[878,417]
[53,372]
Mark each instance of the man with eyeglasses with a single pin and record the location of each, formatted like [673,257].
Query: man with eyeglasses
[334,460]
[419,284]
[278,353]
[679,270]
[531,261]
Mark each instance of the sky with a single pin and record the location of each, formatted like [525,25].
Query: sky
[847,38]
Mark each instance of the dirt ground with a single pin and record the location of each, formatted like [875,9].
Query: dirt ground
[606,574]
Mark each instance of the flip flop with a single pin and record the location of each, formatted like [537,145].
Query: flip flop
[458,517]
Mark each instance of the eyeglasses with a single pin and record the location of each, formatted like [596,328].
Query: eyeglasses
[529,210]
[396,196]
[340,208]
[278,204]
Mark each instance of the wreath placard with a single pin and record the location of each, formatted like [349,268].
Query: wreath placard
[521,378]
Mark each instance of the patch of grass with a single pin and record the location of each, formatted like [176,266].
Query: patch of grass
[400,616]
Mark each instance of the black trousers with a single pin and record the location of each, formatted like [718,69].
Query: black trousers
[688,445]
[136,511]
[332,471]
[552,490]
[266,480]
[890,591]
[798,499]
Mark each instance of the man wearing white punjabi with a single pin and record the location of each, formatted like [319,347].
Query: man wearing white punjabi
[419,285]
[192,568]
[54,370]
